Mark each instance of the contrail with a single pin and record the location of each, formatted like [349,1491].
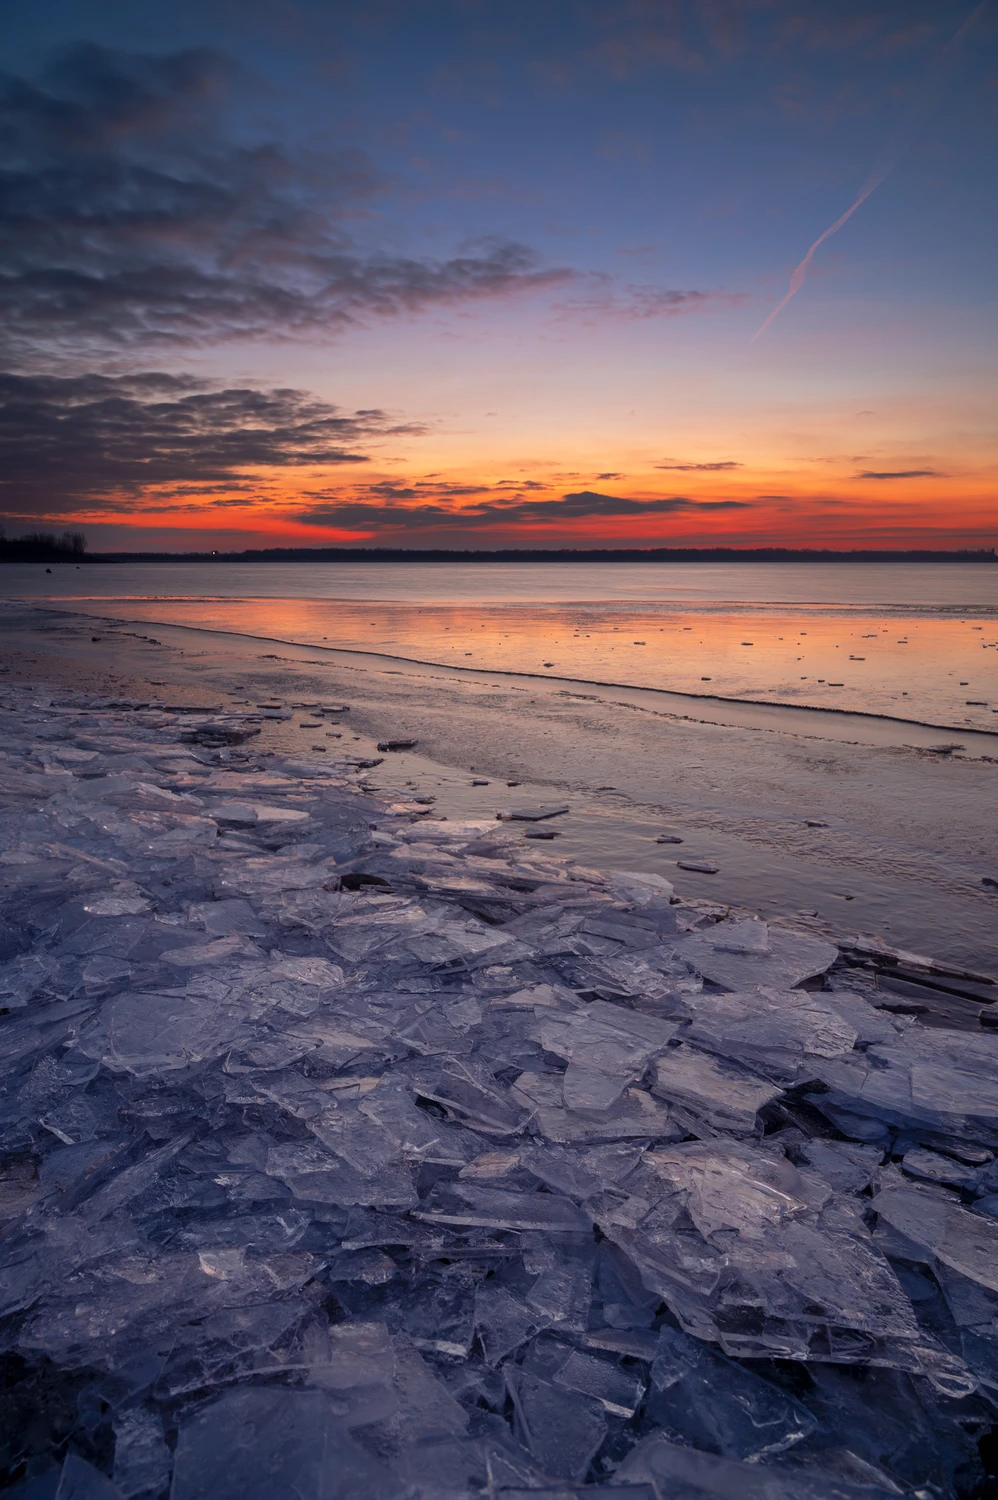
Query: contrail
[886,163]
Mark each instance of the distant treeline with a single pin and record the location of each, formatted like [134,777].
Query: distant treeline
[43,547]
[557,554]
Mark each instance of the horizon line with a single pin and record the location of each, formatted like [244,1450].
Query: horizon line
[561,554]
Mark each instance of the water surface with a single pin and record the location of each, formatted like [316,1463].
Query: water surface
[912,641]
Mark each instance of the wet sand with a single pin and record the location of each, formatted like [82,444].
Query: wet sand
[909,832]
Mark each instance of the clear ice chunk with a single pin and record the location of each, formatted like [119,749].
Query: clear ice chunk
[944,1230]
[441,1317]
[789,958]
[725,1096]
[845,1165]
[142,1460]
[753,1255]
[606,1047]
[562,1429]
[276,1442]
[618,1391]
[943,1081]
[640,889]
[635,1116]
[353,1356]
[749,936]
[562,1295]
[490,1208]
[716,1405]
[81,1481]
[930,1166]
[778,1031]
[149,1034]
[418,1136]
[426,1410]
[226,918]
[503,1322]
[684,1471]
[471,1093]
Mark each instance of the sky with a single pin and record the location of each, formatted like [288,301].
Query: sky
[489,273]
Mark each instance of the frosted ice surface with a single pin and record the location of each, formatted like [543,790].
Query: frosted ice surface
[845,1165]
[561,1428]
[503,1323]
[79,1480]
[618,1391]
[735,955]
[943,1230]
[639,889]
[716,1404]
[277,1442]
[939,1080]
[350,1155]
[142,1459]
[930,1166]
[226,918]
[491,1208]
[779,1030]
[674,1470]
[724,1095]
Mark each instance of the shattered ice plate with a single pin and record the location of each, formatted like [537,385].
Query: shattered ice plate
[740,956]
[353,1156]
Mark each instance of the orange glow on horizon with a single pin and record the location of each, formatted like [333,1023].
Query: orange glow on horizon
[768,506]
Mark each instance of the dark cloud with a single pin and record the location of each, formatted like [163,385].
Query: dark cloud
[802,502]
[660,301]
[897,474]
[609,476]
[160,441]
[350,515]
[592,503]
[706,468]
[128,216]
[600,296]
[94,438]
[386,490]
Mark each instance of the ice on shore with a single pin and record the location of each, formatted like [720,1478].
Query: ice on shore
[347,1155]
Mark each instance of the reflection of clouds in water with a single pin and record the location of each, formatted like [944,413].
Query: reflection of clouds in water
[932,668]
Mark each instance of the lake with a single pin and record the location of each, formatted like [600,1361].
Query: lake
[909,640]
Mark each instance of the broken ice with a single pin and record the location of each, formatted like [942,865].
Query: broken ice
[352,1155]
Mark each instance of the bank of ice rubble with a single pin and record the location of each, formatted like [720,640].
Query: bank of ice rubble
[350,1153]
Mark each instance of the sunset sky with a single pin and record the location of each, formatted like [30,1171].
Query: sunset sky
[477,273]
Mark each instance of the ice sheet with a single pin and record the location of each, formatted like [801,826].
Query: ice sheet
[395,1160]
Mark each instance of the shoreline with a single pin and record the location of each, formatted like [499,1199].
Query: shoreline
[702,605]
[500,556]
[673,695]
[870,838]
